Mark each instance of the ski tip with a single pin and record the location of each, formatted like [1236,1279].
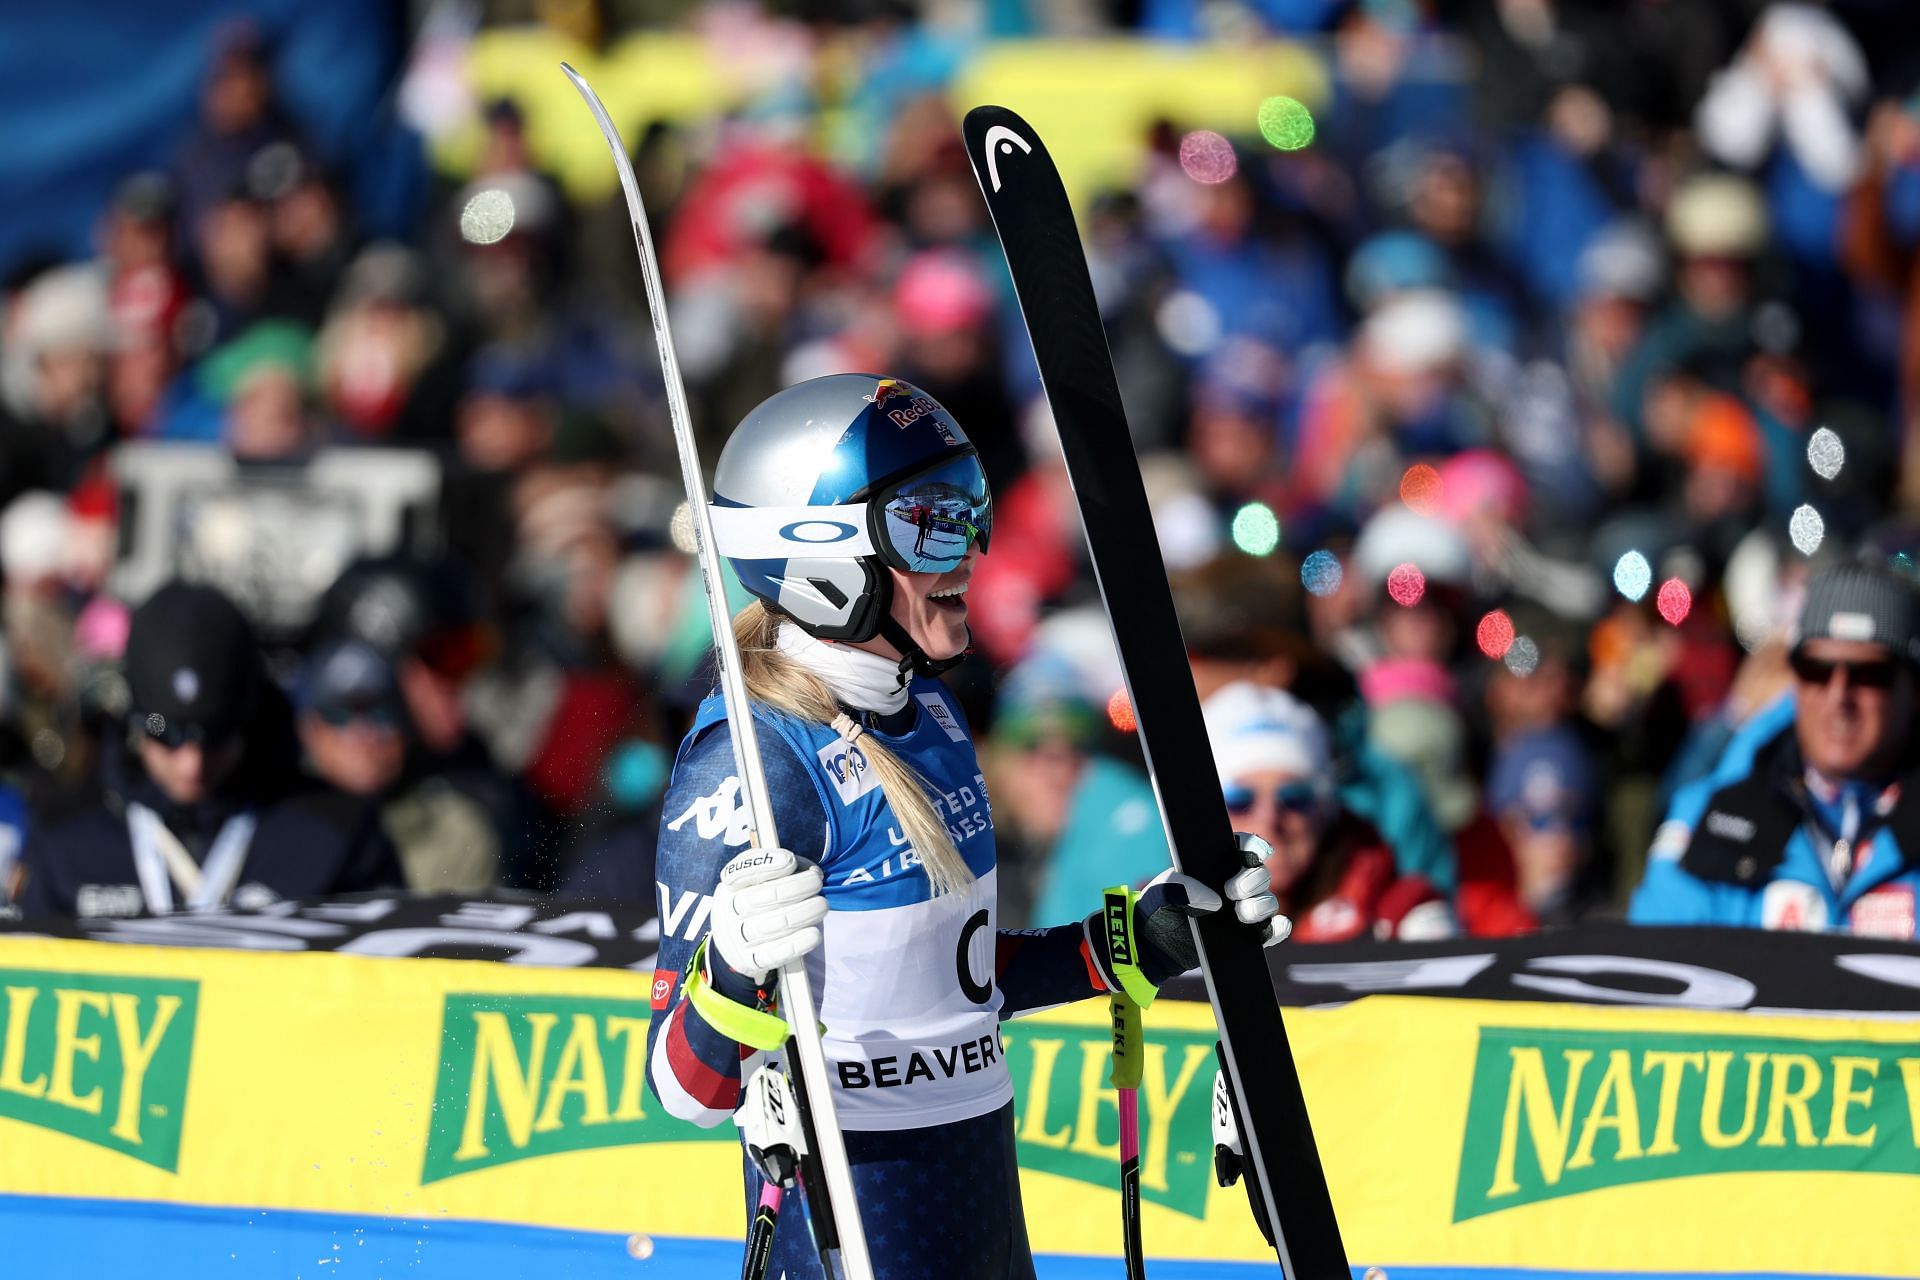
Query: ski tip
[997,136]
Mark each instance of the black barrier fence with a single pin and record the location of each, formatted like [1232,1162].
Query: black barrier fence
[1737,969]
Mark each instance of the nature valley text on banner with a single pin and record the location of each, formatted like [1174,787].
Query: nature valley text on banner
[1067,1118]
[525,1076]
[99,1057]
[1557,1113]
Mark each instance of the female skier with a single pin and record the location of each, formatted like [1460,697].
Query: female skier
[854,509]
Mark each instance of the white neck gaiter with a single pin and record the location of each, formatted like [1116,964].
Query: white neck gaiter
[864,681]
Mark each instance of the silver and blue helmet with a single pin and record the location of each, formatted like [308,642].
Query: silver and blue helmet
[829,483]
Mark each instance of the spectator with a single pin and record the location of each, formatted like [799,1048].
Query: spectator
[1068,821]
[53,415]
[353,727]
[1332,872]
[203,807]
[1542,782]
[1807,821]
[425,618]
[264,378]
[238,117]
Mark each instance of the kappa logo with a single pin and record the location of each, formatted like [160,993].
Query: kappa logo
[851,771]
[943,715]
[723,813]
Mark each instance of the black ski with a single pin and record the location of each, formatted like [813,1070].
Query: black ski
[1042,245]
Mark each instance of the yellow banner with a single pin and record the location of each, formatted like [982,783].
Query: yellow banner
[1457,1134]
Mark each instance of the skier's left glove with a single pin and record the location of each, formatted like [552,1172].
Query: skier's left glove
[1163,942]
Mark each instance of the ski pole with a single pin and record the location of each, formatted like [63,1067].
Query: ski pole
[1126,1079]
[760,1235]
[770,1126]
[833,1211]
[1129,1049]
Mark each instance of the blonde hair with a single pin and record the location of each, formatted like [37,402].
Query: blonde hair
[778,681]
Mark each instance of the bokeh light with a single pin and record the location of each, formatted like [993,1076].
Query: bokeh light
[680,530]
[1120,712]
[1207,157]
[1406,584]
[1902,563]
[1825,453]
[1675,602]
[1523,656]
[1807,529]
[1286,123]
[1188,323]
[1256,530]
[1632,575]
[487,217]
[1494,635]
[1321,573]
[1420,489]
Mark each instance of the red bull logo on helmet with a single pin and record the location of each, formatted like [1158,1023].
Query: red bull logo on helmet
[916,406]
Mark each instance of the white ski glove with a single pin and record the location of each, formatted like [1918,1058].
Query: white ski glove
[767,910]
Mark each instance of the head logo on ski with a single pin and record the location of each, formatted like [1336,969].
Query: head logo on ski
[1000,142]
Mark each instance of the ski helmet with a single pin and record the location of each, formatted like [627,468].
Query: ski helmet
[829,483]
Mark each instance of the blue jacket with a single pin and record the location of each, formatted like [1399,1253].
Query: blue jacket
[1746,845]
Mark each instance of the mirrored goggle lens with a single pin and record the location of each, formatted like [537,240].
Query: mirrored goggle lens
[931,519]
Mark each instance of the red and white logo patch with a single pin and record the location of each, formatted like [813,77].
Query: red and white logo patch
[1792,905]
[663,985]
[1886,912]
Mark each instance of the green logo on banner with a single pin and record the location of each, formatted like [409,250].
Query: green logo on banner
[1557,1113]
[525,1076]
[99,1057]
[1068,1116]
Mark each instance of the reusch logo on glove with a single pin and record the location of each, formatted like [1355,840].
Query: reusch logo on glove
[748,861]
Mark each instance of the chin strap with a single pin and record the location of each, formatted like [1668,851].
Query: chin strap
[913,658]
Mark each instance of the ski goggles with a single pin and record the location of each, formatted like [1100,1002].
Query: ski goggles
[927,522]
[923,521]
[1874,673]
[1288,797]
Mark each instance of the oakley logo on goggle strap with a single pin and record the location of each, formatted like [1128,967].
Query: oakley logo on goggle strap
[777,533]
[818,532]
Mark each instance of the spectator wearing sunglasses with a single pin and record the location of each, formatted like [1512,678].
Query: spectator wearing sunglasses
[1811,820]
[1331,870]
[353,726]
[204,805]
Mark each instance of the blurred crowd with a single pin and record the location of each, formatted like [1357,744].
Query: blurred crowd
[1496,410]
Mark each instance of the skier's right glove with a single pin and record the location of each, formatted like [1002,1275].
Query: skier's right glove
[767,911]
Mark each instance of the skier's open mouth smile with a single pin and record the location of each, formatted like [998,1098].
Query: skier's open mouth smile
[952,598]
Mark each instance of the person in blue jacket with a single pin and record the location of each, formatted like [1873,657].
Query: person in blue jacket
[854,508]
[1811,819]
